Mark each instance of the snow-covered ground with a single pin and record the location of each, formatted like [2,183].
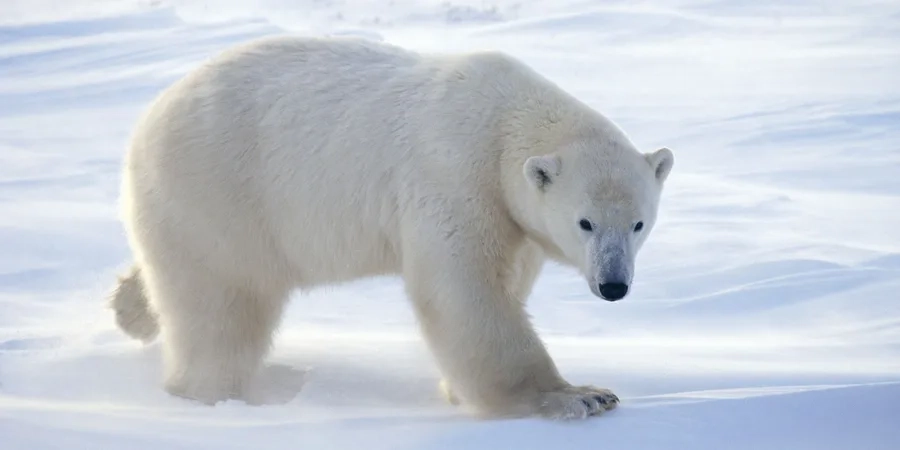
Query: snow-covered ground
[766,308]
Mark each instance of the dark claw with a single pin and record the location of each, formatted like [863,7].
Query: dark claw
[600,400]
[586,404]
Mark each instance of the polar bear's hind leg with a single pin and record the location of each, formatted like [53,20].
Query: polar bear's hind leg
[215,335]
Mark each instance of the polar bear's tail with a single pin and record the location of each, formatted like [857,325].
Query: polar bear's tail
[133,313]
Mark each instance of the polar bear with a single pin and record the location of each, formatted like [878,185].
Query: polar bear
[290,162]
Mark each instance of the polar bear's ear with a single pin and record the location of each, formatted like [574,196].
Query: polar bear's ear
[661,161]
[541,170]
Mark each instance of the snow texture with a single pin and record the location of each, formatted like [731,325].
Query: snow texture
[765,311]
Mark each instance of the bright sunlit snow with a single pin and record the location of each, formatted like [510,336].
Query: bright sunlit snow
[765,312]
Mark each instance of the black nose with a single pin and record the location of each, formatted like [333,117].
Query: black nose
[613,291]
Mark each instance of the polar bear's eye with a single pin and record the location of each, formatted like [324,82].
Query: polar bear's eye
[638,226]
[585,225]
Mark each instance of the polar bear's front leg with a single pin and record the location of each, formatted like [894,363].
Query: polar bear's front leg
[485,344]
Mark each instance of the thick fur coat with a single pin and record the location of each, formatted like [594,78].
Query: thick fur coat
[289,163]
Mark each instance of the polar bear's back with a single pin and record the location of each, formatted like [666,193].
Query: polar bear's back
[304,155]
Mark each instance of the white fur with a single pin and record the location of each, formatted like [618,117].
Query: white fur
[292,162]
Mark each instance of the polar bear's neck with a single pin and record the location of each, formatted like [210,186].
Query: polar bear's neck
[540,131]
[542,121]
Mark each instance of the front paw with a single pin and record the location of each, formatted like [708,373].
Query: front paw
[576,402]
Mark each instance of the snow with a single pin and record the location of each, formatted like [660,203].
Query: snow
[764,314]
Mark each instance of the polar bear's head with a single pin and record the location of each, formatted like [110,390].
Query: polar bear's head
[593,205]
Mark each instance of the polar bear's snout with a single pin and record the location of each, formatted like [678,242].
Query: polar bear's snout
[611,265]
[613,276]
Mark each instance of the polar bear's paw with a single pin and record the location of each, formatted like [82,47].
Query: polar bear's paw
[576,402]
